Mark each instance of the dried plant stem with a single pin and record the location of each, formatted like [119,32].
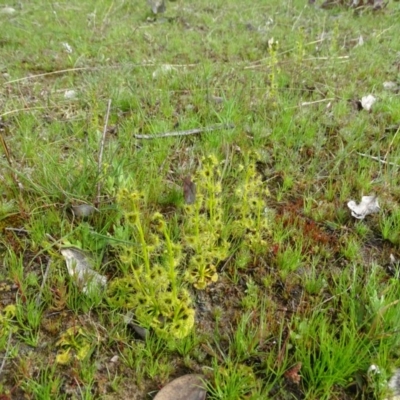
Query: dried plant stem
[17,110]
[18,184]
[101,151]
[3,363]
[309,103]
[378,159]
[391,143]
[186,133]
[46,273]
[65,71]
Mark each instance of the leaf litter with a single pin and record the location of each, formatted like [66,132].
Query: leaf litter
[79,267]
[368,205]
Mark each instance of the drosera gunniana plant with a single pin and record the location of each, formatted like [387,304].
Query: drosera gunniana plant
[251,225]
[204,232]
[152,287]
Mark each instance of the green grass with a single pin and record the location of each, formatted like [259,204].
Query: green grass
[266,273]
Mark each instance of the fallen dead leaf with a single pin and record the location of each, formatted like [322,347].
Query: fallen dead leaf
[389,85]
[189,190]
[83,210]
[70,94]
[8,10]
[79,267]
[157,6]
[368,205]
[163,70]
[367,102]
[293,374]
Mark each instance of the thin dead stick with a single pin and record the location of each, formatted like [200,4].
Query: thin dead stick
[391,143]
[65,71]
[3,363]
[17,183]
[188,132]
[327,58]
[26,109]
[46,273]
[287,51]
[259,63]
[100,161]
[378,159]
[309,103]
[62,71]
[17,230]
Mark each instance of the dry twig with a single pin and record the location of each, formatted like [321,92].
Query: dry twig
[100,161]
[187,133]
[46,273]
[378,159]
[3,363]
[7,153]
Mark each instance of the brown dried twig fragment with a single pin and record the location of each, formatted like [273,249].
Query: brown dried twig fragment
[188,132]
[7,153]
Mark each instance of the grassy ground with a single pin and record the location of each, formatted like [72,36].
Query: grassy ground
[264,283]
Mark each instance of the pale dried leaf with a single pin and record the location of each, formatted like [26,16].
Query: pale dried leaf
[67,47]
[368,205]
[390,85]
[83,210]
[79,267]
[367,102]
[157,6]
[164,69]
[8,10]
[70,94]
[114,359]
[189,190]
[394,385]
[373,370]
[186,387]
[378,4]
